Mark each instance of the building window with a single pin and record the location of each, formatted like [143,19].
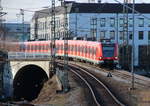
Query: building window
[102,22]
[141,22]
[57,22]
[121,22]
[43,25]
[121,35]
[130,22]
[130,35]
[102,34]
[148,22]
[93,21]
[148,35]
[112,22]
[49,24]
[39,26]
[141,35]
[112,35]
[93,33]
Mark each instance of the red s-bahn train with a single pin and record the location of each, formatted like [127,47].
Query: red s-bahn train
[91,51]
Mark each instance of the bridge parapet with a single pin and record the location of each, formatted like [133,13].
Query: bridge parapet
[24,55]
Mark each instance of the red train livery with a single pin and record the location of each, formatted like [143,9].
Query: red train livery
[94,52]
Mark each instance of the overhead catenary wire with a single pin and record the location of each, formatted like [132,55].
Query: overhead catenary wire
[139,13]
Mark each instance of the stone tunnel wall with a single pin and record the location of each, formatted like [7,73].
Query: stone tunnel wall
[11,68]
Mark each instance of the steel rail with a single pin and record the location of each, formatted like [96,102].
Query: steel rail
[93,94]
[101,83]
[120,74]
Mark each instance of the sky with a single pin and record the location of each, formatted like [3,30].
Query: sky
[12,7]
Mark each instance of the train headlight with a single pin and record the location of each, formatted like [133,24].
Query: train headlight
[116,57]
[100,58]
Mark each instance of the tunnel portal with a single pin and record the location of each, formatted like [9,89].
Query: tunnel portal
[28,82]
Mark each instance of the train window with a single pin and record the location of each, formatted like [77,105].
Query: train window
[57,47]
[39,47]
[22,47]
[71,47]
[62,47]
[68,47]
[28,47]
[42,47]
[75,48]
[31,47]
[49,47]
[82,49]
[85,49]
[108,50]
[35,48]
[94,51]
[78,48]
[46,46]
[90,50]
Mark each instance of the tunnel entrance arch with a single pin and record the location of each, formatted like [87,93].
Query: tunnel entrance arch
[28,82]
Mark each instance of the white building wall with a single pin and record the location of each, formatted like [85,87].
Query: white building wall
[44,27]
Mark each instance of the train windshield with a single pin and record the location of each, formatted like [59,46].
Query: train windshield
[108,50]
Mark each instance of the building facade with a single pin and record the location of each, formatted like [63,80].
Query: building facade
[17,32]
[96,20]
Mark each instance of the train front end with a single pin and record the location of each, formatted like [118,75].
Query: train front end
[110,54]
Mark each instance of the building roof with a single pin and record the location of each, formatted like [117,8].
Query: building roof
[73,7]
[47,12]
[108,8]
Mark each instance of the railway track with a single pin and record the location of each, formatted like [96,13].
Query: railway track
[101,94]
[120,74]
